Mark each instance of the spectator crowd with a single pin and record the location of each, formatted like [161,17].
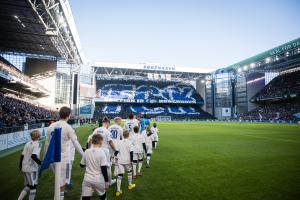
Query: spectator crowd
[17,112]
[275,111]
[282,86]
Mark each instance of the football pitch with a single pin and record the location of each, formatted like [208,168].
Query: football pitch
[196,160]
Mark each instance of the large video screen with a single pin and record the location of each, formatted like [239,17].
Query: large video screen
[36,66]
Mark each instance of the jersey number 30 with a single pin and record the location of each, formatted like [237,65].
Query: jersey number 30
[114,134]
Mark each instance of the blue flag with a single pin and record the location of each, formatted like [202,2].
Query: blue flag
[53,153]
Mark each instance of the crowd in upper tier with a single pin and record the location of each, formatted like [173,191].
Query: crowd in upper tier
[147,90]
[276,111]
[181,112]
[282,86]
[15,112]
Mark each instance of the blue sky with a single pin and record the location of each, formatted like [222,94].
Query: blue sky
[194,33]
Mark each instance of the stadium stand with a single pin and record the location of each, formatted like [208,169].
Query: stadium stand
[154,98]
[178,100]
[176,112]
[278,100]
[11,77]
[284,86]
[286,111]
[150,90]
[17,112]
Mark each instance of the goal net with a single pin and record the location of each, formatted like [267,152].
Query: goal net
[163,118]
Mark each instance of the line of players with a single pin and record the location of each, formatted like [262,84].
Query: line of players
[106,146]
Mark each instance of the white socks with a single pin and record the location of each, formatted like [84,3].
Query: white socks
[140,166]
[134,169]
[24,193]
[113,181]
[119,181]
[115,171]
[32,194]
[129,177]
[148,160]
[62,195]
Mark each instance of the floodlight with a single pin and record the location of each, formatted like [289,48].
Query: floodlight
[268,60]
[252,65]
[287,54]
[245,67]
[51,32]
[239,70]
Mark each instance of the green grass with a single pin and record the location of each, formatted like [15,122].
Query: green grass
[197,160]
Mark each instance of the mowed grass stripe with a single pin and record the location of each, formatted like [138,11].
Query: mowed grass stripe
[198,160]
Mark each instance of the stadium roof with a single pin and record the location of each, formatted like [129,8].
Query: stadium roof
[39,27]
[151,67]
[143,69]
[286,55]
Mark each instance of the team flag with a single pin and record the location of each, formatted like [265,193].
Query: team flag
[53,153]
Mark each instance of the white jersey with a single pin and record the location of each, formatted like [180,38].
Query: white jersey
[104,133]
[130,124]
[93,159]
[124,147]
[137,142]
[148,141]
[29,165]
[155,133]
[72,151]
[116,132]
[68,135]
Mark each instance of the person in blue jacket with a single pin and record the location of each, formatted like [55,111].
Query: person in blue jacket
[144,122]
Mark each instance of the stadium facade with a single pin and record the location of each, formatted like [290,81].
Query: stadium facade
[240,88]
[42,60]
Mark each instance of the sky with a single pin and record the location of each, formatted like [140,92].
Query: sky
[206,34]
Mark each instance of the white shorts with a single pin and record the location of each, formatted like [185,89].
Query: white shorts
[88,188]
[30,178]
[149,149]
[65,172]
[156,138]
[138,156]
[121,168]
[107,154]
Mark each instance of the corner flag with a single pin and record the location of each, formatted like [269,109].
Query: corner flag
[53,153]
[53,156]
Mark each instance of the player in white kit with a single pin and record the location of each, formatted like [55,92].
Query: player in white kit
[123,162]
[149,138]
[67,135]
[138,142]
[29,165]
[116,131]
[107,143]
[116,134]
[96,167]
[154,130]
[130,124]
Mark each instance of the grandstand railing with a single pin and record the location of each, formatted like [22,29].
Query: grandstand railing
[5,130]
